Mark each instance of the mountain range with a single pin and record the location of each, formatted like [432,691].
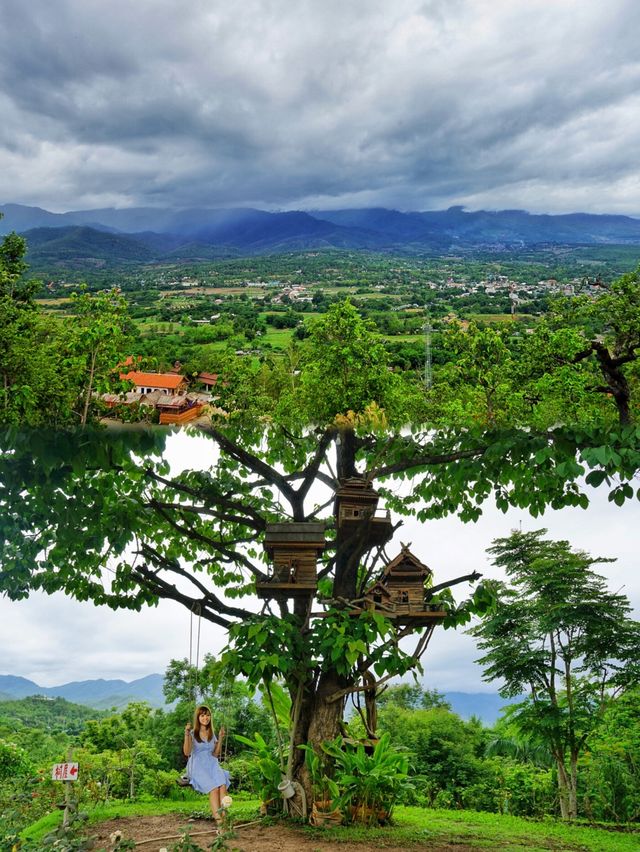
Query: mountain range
[144,234]
[105,694]
[100,694]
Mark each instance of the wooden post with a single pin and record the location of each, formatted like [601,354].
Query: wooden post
[68,800]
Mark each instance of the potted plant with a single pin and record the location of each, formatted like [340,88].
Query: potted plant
[326,794]
[369,784]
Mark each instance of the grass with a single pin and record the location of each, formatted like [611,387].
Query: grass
[412,827]
[483,831]
[243,809]
[279,338]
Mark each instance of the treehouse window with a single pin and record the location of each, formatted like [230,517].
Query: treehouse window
[286,571]
[402,596]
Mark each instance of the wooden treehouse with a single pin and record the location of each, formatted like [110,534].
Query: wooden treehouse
[356,508]
[400,592]
[294,549]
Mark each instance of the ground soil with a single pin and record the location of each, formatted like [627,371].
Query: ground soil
[157,832]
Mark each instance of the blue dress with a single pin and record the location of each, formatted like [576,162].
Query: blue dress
[203,769]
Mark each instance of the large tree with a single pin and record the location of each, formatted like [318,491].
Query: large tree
[51,367]
[27,360]
[559,636]
[104,517]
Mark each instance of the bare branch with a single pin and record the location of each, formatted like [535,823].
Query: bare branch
[253,463]
[471,578]
[175,568]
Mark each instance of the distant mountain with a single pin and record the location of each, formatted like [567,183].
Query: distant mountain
[508,227]
[145,234]
[17,687]
[18,217]
[487,706]
[104,694]
[81,245]
[100,694]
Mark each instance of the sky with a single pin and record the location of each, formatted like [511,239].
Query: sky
[54,640]
[412,104]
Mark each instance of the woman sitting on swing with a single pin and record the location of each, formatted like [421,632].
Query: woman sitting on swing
[202,747]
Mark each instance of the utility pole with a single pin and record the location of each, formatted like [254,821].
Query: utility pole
[428,373]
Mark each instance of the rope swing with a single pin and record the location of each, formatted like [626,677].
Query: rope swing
[193,671]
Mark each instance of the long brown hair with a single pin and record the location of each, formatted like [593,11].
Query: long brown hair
[196,723]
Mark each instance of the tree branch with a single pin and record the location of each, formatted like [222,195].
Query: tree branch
[253,463]
[471,578]
[427,460]
[175,568]
[254,518]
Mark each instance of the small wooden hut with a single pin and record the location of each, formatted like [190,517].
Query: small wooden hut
[400,592]
[294,549]
[357,503]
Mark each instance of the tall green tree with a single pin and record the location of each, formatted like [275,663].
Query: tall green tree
[51,368]
[561,638]
[31,388]
[96,339]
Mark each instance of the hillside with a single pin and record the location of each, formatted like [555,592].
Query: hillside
[74,246]
[53,715]
[486,706]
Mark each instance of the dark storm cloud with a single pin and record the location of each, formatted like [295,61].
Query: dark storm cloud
[417,104]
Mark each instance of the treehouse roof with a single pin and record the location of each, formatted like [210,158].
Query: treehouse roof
[298,534]
[406,566]
[379,588]
[360,490]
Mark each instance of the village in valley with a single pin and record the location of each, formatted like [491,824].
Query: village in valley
[188,324]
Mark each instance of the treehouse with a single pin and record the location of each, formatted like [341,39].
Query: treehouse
[356,507]
[294,549]
[400,592]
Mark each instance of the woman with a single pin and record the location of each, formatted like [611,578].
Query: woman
[202,747]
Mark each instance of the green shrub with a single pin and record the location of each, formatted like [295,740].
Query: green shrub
[14,761]
[370,784]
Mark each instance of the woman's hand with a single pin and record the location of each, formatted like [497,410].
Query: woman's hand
[187,743]
[221,733]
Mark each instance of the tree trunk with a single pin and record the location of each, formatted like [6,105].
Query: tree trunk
[563,788]
[132,783]
[573,787]
[318,722]
[87,397]
[617,384]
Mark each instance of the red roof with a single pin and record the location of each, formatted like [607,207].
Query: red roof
[208,378]
[170,381]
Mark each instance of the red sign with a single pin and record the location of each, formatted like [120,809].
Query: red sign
[65,772]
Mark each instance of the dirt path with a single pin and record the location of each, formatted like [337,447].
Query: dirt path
[164,831]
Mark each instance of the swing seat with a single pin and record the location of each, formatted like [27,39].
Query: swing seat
[183,781]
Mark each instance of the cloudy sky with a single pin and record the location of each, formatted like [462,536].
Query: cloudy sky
[53,640]
[415,104]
